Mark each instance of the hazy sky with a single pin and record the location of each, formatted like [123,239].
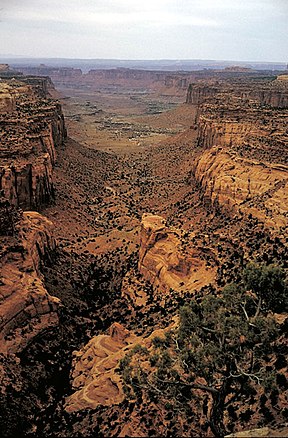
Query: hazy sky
[252,30]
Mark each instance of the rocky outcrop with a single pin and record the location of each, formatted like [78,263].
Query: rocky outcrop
[26,308]
[242,130]
[31,129]
[7,99]
[59,75]
[165,263]
[273,98]
[240,184]
[224,133]
[94,379]
[274,94]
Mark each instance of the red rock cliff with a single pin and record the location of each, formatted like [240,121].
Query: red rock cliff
[30,131]
[243,132]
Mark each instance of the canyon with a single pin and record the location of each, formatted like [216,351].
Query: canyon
[126,194]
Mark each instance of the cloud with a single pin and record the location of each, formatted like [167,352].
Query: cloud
[217,29]
[108,12]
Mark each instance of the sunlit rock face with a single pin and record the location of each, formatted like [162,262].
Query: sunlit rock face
[94,379]
[31,129]
[95,368]
[239,184]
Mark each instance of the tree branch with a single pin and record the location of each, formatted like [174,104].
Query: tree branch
[258,308]
[245,313]
[251,362]
[243,373]
[190,385]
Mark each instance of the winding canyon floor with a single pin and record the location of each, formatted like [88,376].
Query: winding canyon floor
[115,164]
[123,159]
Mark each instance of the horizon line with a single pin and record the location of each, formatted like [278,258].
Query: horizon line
[11,56]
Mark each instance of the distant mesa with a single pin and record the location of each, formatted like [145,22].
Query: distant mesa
[238,68]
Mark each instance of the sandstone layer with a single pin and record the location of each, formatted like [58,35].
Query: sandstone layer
[249,186]
[93,370]
[271,92]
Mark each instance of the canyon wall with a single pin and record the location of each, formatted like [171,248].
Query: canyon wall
[160,81]
[240,184]
[204,83]
[198,94]
[242,130]
[223,132]
[31,129]
[137,78]
[273,94]
[26,308]
[266,91]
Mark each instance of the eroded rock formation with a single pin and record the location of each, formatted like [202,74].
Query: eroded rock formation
[95,381]
[26,308]
[31,128]
[163,260]
[95,374]
[271,91]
